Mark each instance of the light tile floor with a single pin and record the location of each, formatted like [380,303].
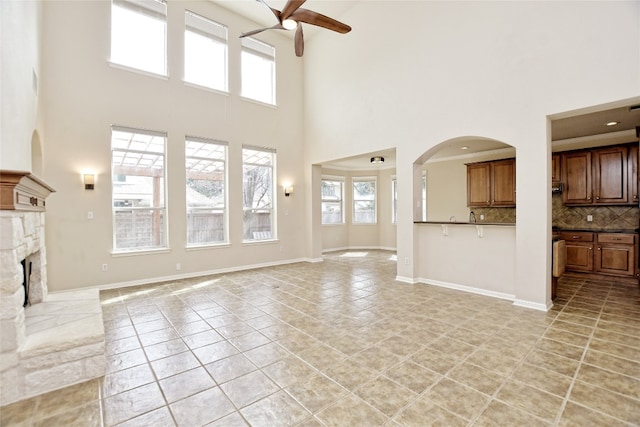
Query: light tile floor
[340,343]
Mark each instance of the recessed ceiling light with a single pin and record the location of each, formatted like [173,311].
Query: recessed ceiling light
[464,148]
[612,123]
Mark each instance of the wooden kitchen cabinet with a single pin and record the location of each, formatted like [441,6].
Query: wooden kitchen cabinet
[479,184]
[579,250]
[556,168]
[576,176]
[610,180]
[604,176]
[492,184]
[616,254]
[612,254]
[633,174]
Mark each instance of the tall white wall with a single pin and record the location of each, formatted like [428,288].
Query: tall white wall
[19,60]
[441,70]
[84,95]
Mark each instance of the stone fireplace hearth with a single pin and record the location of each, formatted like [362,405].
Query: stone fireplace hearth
[58,339]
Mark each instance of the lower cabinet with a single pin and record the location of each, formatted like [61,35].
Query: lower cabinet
[603,253]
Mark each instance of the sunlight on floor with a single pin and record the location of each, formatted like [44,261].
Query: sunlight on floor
[355,254]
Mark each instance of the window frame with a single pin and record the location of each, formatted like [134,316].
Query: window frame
[371,179]
[268,236]
[214,32]
[159,213]
[202,175]
[147,9]
[394,200]
[341,180]
[259,49]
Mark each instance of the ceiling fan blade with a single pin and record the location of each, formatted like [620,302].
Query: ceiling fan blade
[259,30]
[290,8]
[314,18]
[276,12]
[299,41]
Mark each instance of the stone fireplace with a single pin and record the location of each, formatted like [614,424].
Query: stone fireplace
[57,339]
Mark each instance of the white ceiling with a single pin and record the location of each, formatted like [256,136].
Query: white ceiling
[573,130]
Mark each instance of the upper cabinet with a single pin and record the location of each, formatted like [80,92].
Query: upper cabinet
[491,184]
[599,176]
[576,176]
[556,167]
[633,174]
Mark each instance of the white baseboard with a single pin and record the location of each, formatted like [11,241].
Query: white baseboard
[533,305]
[469,289]
[150,280]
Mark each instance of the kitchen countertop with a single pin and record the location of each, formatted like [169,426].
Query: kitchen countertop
[597,230]
[465,223]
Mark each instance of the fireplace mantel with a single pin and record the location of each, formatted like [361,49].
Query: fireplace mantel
[21,190]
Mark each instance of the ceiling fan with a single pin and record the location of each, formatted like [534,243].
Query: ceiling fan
[292,17]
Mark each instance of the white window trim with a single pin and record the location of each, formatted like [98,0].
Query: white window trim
[274,196]
[252,45]
[166,248]
[394,200]
[342,199]
[226,241]
[353,199]
[222,38]
[145,7]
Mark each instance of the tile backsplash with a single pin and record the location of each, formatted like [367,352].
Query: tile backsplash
[604,217]
[496,215]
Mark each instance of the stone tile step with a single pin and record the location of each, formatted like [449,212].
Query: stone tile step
[63,322]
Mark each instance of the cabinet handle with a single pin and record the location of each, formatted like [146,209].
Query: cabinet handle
[598,198]
[575,237]
[598,247]
[589,198]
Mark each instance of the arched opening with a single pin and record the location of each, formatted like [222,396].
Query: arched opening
[37,160]
[464,175]
[454,249]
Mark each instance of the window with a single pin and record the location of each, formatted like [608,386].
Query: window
[138,193]
[139,34]
[205,165]
[205,52]
[394,200]
[257,193]
[258,71]
[332,196]
[364,201]
[424,195]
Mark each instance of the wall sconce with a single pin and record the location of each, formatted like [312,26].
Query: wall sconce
[89,181]
[288,190]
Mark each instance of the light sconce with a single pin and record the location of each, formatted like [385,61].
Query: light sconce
[89,181]
[288,190]
[377,159]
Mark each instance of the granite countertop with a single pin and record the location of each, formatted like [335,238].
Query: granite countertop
[597,230]
[465,223]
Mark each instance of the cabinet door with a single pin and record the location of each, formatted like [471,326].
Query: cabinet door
[556,167]
[615,259]
[478,184]
[633,174]
[503,183]
[576,174]
[579,256]
[610,175]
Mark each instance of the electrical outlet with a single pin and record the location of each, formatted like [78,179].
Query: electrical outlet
[90,215]
[481,217]
[178,266]
[589,218]
[406,260]
[105,267]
